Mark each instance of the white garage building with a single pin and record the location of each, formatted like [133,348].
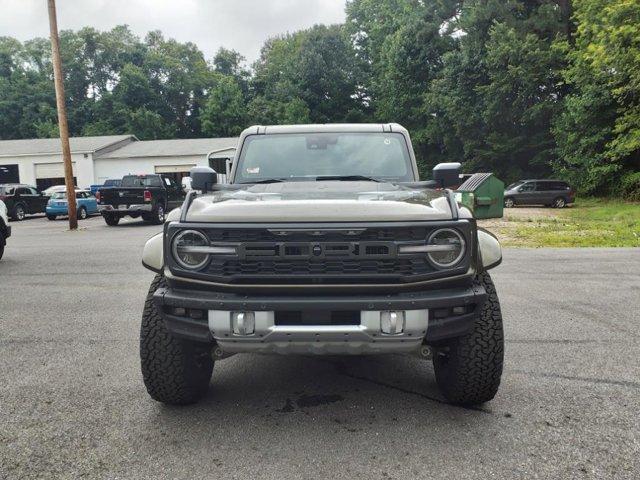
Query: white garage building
[171,157]
[95,159]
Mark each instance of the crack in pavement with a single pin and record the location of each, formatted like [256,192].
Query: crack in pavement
[564,341]
[342,370]
[623,383]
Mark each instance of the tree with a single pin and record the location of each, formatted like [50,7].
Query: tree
[314,68]
[224,113]
[499,89]
[599,132]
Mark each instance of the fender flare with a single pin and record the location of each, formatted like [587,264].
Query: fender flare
[489,249]
[153,254]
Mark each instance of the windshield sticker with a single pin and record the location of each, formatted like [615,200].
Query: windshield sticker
[387,141]
[253,170]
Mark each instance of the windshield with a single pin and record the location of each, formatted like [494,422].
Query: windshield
[514,185]
[307,156]
[59,195]
[112,183]
[141,181]
[6,190]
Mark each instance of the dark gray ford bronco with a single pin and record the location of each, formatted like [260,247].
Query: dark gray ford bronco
[323,242]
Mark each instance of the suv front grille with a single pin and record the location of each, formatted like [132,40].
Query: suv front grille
[322,255]
[284,271]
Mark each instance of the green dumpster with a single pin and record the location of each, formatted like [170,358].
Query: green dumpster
[483,194]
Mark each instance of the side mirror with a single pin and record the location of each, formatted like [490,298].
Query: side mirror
[203,178]
[447,174]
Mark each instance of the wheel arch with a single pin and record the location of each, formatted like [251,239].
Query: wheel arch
[489,249]
[153,253]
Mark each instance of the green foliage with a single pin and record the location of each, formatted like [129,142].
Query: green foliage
[308,76]
[599,132]
[224,113]
[523,88]
[592,222]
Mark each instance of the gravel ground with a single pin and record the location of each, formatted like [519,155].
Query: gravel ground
[72,402]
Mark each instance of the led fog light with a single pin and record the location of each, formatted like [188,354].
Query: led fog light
[391,323]
[244,323]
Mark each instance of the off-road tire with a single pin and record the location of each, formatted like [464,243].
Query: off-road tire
[111,220]
[468,368]
[175,371]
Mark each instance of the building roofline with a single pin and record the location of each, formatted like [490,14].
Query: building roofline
[121,138]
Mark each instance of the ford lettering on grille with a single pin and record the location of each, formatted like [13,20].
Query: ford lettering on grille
[305,250]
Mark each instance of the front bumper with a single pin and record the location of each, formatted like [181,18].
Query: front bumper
[424,320]
[125,209]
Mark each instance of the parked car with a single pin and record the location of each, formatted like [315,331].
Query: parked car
[113,182]
[22,200]
[51,190]
[5,228]
[552,193]
[86,204]
[318,247]
[147,196]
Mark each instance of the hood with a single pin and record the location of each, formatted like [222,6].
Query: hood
[331,201]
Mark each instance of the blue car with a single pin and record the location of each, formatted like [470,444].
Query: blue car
[86,204]
[112,182]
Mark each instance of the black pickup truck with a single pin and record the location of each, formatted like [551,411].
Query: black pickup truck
[146,196]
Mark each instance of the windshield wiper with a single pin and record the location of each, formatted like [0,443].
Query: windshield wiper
[347,178]
[266,180]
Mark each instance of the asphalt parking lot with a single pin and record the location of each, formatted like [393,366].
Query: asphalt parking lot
[72,402]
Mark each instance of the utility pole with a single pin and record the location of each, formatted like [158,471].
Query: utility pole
[62,116]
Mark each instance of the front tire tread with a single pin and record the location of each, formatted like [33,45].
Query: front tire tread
[175,371]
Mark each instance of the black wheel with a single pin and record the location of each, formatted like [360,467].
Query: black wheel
[111,220]
[51,217]
[157,214]
[19,213]
[509,202]
[174,371]
[559,203]
[468,369]
[82,213]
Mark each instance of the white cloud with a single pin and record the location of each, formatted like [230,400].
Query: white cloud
[239,24]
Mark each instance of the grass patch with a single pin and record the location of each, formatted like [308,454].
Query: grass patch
[591,222]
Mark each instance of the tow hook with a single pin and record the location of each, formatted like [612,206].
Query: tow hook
[218,354]
[425,352]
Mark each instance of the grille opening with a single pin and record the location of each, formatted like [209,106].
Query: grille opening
[337,249]
[317,317]
[260,250]
[377,250]
[296,250]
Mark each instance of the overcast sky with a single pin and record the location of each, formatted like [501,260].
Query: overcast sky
[242,25]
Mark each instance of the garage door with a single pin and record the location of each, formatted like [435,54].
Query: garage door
[173,168]
[51,170]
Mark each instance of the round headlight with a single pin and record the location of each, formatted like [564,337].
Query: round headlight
[188,249]
[450,249]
